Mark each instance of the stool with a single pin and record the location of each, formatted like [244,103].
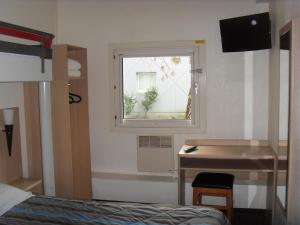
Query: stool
[214,184]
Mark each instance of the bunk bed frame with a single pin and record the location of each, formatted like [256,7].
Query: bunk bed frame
[36,95]
[43,50]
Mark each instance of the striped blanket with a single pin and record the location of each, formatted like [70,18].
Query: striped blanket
[41,210]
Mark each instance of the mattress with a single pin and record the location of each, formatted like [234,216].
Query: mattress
[39,210]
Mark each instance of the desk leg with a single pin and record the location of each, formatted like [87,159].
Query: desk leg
[271,194]
[181,184]
[274,190]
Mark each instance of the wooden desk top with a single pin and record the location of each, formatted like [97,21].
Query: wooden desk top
[230,152]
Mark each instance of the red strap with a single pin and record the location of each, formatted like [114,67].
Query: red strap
[45,40]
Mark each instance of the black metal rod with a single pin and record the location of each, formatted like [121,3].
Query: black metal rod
[22,49]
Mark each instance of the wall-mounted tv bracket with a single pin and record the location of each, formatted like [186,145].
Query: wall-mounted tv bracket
[43,50]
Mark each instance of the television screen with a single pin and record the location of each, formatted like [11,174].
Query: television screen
[246,33]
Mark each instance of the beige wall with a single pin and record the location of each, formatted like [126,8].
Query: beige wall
[282,12]
[96,23]
[36,14]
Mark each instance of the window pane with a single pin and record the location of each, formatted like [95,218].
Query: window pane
[157,87]
[146,80]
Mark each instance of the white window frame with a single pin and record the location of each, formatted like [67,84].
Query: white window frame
[195,49]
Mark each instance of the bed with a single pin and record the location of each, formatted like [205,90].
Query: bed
[38,210]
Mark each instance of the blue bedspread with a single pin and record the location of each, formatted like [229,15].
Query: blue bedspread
[41,210]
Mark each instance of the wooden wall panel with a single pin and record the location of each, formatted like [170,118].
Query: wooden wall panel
[70,126]
[61,125]
[81,141]
[10,166]
[33,135]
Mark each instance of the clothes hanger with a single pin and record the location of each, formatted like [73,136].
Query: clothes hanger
[74,98]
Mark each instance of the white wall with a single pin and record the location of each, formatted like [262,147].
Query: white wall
[282,12]
[36,14]
[96,23]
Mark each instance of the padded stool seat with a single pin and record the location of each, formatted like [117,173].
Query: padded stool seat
[214,180]
[214,184]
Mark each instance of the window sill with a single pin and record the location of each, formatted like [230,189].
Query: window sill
[160,130]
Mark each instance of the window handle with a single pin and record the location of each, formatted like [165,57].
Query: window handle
[198,70]
[196,87]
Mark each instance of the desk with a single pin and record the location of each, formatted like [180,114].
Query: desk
[227,158]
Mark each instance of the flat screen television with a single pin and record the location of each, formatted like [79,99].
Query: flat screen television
[246,33]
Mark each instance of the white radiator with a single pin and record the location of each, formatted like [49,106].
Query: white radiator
[155,154]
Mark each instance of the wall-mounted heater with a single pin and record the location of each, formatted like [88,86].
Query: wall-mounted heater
[155,154]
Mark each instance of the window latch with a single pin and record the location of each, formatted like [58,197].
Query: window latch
[198,70]
[196,87]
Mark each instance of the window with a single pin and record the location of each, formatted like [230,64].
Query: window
[146,80]
[159,85]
